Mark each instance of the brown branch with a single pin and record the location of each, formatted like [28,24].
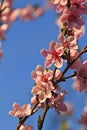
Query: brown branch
[68,77]
[1,10]
[54,71]
[84,50]
[1,4]
[68,3]
[40,123]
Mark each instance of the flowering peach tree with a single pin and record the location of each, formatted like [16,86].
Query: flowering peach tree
[47,92]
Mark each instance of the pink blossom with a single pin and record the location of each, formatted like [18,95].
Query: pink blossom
[30,13]
[69,109]
[70,43]
[24,127]
[62,2]
[77,2]
[53,55]
[54,1]
[80,83]
[38,12]
[26,13]
[72,17]
[78,32]
[56,102]
[41,74]
[20,111]
[43,90]
[43,85]
[60,7]
[80,6]
[33,100]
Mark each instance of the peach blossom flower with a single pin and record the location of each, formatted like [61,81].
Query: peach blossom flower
[30,13]
[53,55]
[78,32]
[57,102]
[70,43]
[43,90]
[72,17]
[43,85]
[20,111]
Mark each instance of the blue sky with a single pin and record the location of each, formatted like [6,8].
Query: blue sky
[21,55]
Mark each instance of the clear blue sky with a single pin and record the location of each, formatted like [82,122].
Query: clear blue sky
[21,55]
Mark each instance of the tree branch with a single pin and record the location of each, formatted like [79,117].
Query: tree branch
[84,50]
[40,123]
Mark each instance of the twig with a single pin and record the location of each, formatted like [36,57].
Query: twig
[1,10]
[40,123]
[54,71]
[84,50]
[68,77]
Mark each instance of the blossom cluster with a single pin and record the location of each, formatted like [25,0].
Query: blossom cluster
[72,28]
[46,90]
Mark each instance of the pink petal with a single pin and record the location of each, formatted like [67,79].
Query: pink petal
[59,8]
[44,52]
[58,63]
[49,62]
[55,1]
[33,75]
[62,107]
[27,109]
[42,97]
[52,46]
[63,2]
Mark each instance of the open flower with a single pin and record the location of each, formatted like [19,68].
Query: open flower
[43,85]
[72,17]
[43,91]
[20,111]
[70,43]
[57,102]
[53,55]
[41,74]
